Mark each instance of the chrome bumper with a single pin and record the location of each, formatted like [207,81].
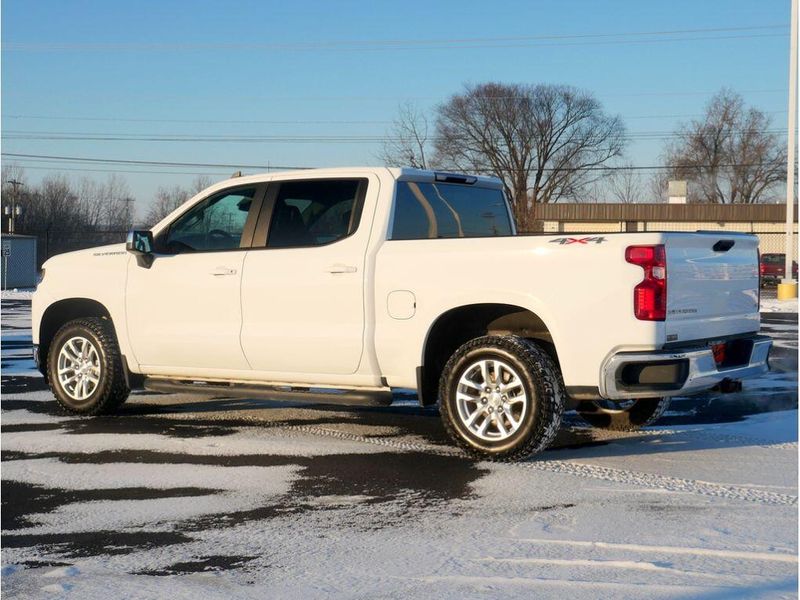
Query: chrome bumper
[697,365]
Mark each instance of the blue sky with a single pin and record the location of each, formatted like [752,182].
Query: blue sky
[190,68]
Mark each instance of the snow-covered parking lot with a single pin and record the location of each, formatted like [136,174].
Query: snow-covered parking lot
[185,497]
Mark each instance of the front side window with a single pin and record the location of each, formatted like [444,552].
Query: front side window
[445,210]
[314,213]
[215,223]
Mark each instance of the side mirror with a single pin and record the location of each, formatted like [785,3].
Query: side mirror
[140,244]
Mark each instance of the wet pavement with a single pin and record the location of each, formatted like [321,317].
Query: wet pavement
[367,469]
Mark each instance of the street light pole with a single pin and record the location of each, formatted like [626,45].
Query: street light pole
[788,286]
[13,212]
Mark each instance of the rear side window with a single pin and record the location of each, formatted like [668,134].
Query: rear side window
[315,213]
[445,210]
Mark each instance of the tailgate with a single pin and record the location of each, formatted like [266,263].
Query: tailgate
[712,285]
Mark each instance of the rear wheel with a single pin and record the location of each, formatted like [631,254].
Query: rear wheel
[84,367]
[501,398]
[625,415]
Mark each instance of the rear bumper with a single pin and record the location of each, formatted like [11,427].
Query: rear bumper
[676,372]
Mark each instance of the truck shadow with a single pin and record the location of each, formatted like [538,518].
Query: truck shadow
[191,416]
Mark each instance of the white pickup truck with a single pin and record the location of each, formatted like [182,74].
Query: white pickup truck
[339,285]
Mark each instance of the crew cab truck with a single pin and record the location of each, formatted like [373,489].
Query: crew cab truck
[338,285]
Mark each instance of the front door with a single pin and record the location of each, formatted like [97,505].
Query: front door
[184,311]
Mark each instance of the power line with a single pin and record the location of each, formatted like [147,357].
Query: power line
[290,139]
[395,98]
[224,121]
[285,168]
[284,122]
[400,44]
[151,162]
[60,168]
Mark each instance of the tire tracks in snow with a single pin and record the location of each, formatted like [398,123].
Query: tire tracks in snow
[588,471]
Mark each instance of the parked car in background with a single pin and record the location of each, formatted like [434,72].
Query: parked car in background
[773,268]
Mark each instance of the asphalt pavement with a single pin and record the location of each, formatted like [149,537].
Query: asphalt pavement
[157,484]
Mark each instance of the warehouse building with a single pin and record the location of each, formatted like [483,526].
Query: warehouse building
[767,221]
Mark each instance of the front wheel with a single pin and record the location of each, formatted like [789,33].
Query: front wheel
[501,398]
[84,367]
[625,415]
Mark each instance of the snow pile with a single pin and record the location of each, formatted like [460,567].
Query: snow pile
[773,305]
[182,498]
[17,294]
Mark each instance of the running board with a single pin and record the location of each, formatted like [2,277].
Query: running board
[366,397]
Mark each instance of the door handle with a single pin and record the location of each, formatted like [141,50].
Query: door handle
[341,269]
[219,271]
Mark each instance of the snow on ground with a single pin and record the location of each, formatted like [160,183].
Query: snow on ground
[17,294]
[182,497]
[773,305]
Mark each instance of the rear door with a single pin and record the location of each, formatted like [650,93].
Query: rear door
[303,289]
[712,285]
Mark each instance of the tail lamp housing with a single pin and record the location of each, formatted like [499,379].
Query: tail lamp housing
[649,296]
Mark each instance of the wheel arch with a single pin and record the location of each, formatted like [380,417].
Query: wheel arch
[61,312]
[460,324]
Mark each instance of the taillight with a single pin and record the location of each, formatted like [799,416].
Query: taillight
[719,351]
[650,296]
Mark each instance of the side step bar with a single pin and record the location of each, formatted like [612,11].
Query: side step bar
[366,397]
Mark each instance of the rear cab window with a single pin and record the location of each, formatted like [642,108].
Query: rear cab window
[434,210]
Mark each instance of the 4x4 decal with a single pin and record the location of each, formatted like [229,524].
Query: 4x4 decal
[584,240]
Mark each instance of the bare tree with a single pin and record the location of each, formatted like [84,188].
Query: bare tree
[542,141]
[407,141]
[168,199]
[11,171]
[54,205]
[625,185]
[657,185]
[730,155]
[107,205]
[200,183]
[622,184]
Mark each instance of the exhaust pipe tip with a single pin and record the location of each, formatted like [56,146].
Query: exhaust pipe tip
[728,386]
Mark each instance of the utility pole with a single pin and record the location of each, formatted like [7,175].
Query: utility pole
[788,287]
[128,212]
[14,210]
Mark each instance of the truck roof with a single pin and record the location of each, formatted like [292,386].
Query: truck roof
[398,173]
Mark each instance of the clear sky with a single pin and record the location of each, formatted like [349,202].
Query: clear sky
[338,69]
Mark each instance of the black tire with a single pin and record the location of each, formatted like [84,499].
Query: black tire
[643,412]
[543,386]
[112,390]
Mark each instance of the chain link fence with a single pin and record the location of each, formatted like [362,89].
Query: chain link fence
[770,239]
[54,241]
